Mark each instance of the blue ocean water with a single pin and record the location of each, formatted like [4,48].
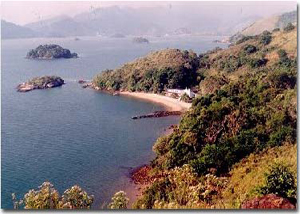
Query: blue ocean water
[70,135]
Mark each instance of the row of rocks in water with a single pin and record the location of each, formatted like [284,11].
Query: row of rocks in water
[40,83]
[158,114]
[51,51]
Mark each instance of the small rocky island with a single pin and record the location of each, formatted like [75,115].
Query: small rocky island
[140,40]
[40,83]
[50,52]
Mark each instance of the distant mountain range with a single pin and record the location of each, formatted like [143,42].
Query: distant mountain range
[10,31]
[108,21]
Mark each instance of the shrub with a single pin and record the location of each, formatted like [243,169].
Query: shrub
[230,63]
[276,29]
[279,181]
[282,54]
[265,38]
[256,63]
[282,79]
[244,39]
[250,49]
[280,136]
[182,189]
[185,98]
[47,197]
[284,60]
[76,198]
[119,201]
[289,27]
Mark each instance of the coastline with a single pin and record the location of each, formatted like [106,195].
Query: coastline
[171,104]
[139,176]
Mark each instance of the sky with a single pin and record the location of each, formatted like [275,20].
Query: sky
[24,12]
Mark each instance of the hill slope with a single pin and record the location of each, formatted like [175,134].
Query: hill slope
[253,111]
[11,31]
[270,23]
[170,68]
[60,26]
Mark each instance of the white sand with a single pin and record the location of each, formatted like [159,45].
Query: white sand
[171,103]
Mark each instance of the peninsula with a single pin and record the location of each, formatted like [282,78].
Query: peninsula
[237,141]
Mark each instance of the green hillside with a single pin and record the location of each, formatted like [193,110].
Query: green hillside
[251,111]
[170,68]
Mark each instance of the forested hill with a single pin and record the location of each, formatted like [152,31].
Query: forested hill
[242,126]
[169,68]
[173,68]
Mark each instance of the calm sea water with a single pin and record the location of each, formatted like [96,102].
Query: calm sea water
[70,135]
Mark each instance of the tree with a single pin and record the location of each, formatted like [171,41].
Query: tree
[76,198]
[47,197]
[119,201]
[289,27]
[250,49]
[265,38]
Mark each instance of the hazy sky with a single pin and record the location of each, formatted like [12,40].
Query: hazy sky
[25,12]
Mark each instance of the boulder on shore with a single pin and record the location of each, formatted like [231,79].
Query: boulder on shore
[40,83]
[50,52]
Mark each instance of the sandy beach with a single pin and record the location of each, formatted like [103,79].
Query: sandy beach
[170,103]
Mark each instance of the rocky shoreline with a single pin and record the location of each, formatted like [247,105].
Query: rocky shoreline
[44,82]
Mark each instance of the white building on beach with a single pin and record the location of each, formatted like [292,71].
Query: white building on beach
[181,92]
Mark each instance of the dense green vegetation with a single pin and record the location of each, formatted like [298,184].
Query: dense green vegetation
[44,80]
[170,68]
[253,112]
[47,197]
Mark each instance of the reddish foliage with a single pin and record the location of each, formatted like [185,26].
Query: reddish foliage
[270,201]
[141,175]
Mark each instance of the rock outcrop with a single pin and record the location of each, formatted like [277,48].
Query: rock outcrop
[50,52]
[40,83]
[270,201]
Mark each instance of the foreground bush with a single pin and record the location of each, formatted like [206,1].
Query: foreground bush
[47,197]
[119,201]
[247,175]
[280,181]
[181,188]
